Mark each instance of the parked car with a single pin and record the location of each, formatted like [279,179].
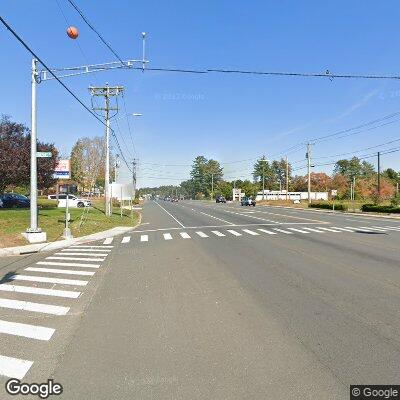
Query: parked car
[73,201]
[220,199]
[14,200]
[248,201]
[174,199]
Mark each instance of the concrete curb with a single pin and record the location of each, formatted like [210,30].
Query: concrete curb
[59,244]
[365,214]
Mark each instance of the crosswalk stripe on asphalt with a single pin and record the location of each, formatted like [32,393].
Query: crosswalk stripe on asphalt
[14,367]
[26,330]
[202,234]
[39,291]
[34,307]
[74,258]
[126,239]
[60,271]
[144,238]
[314,230]
[218,233]
[234,233]
[184,235]
[250,232]
[267,232]
[108,240]
[45,279]
[67,264]
[298,230]
[82,254]
[283,231]
[167,236]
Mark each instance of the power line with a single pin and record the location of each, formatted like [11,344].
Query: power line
[56,78]
[129,125]
[95,31]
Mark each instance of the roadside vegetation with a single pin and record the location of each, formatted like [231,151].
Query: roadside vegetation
[52,220]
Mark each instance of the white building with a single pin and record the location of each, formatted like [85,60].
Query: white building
[281,195]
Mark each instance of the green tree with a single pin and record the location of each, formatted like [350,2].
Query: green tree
[225,189]
[354,168]
[205,172]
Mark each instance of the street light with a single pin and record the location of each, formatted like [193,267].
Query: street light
[34,234]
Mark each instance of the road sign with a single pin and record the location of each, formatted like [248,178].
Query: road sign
[43,154]
[334,192]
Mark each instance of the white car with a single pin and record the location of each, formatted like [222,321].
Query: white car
[73,201]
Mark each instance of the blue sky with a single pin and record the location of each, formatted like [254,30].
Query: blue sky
[226,117]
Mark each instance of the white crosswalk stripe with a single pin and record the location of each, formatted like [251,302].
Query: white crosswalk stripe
[26,330]
[394,228]
[374,229]
[108,240]
[359,229]
[283,231]
[202,234]
[81,254]
[267,232]
[167,236]
[60,271]
[298,230]
[250,232]
[345,229]
[185,235]
[328,229]
[75,258]
[40,291]
[217,233]
[91,247]
[234,233]
[313,230]
[14,367]
[45,279]
[34,307]
[86,250]
[126,239]
[67,264]
[144,238]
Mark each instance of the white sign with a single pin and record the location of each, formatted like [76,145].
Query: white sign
[62,170]
[334,192]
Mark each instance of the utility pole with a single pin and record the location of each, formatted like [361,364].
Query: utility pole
[134,165]
[116,167]
[107,92]
[308,156]
[212,185]
[34,234]
[287,177]
[263,195]
[379,175]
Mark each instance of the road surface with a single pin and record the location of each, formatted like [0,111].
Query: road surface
[210,301]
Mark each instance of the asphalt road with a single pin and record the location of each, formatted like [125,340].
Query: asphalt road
[213,301]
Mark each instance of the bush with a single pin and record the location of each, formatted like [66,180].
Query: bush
[395,202]
[329,206]
[382,209]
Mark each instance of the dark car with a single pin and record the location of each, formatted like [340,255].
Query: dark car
[220,199]
[14,200]
[248,201]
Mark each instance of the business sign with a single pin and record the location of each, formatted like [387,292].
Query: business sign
[62,170]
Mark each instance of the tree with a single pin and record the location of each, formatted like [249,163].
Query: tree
[225,189]
[320,182]
[15,157]
[392,175]
[87,161]
[262,169]
[298,184]
[248,187]
[341,184]
[354,168]
[203,173]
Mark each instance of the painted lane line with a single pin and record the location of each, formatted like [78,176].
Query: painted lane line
[82,254]
[26,330]
[217,233]
[31,278]
[126,239]
[250,232]
[74,258]
[314,230]
[144,238]
[234,233]
[92,247]
[283,231]
[87,250]
[329,229]
[202,234]
[64,264]
[212,216]
[298,230]
[159,205]
[60,271]
[39,291]
[268,232]
[108,240]
[14,367]
[34,307]
[393,228]
[250,216]
[167,236]
[185,235]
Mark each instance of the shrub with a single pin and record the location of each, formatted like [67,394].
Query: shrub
[329,206]
[395,202]
[382,209]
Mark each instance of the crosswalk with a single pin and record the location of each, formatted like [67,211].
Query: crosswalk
[32,301]
[254,231]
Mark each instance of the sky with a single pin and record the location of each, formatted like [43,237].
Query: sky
[222,116]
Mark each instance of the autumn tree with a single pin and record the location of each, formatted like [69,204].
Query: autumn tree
[15,145]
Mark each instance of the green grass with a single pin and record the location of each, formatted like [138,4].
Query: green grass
[51,220]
